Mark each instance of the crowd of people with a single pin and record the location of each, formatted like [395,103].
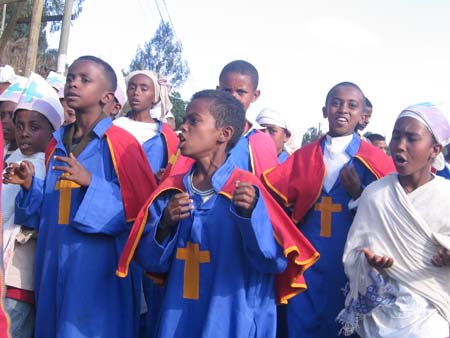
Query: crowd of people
[116,225]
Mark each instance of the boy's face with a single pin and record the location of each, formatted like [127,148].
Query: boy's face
[279,135]
[86,86]
[69,113]
[412,148]
[6,115]
[365,118]
[33,131]
[380,144]
[343,110]
[141,93]
[241,87]
[199,137]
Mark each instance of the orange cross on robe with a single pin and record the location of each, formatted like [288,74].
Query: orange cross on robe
[192,257]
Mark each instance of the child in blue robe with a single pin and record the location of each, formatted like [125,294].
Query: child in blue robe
[255,151]
[318,182]
[209,234]
[97,177]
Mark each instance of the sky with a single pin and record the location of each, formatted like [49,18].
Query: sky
[398,52]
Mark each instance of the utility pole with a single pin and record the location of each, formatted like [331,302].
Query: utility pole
[35,27]
[64,39]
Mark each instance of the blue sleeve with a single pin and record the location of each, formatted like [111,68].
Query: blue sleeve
[259,242]
[101,209]
[150,254]
[28,204]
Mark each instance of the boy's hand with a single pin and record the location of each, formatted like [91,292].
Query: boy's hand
[244,197]
[441,258]
[378,261]
[350,181]
[159,174]
[74,171]
[178,208]
[19,174]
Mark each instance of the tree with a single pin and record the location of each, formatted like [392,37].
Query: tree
[163,55]
[178,109]
[14,53]
[311,135]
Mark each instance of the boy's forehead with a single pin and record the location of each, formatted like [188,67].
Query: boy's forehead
[340,91]
[85,66]
[236,78]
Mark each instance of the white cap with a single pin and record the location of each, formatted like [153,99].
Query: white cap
[57,81]
[40,96]
[7,74]
[14,90]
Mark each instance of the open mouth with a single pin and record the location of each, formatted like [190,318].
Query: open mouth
[400,160]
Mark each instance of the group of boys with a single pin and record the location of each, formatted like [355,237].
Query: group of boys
[220,232]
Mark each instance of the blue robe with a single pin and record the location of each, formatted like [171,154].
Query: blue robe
[231,294]
[255,152]
[283,156]
[77,292]
[312,314]
[156,150]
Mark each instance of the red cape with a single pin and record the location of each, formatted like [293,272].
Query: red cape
[263,152]
[298,181]
[135,176]
[297,249]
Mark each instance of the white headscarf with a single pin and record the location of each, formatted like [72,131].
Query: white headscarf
[162,89]
[436,122]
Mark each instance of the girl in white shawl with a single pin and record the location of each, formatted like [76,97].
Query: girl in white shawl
[397,254]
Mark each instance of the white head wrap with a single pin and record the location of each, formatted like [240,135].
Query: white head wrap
[436,122]
[40,96]
[162,89]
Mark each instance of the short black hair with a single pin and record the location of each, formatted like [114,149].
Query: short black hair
[367,102]
[344,84]
[110,74]
[227,111]
[241,67]
[375,137]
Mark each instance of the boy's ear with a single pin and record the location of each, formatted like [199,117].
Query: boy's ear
[324,112]
[226,134]
[107,97]
[256,94]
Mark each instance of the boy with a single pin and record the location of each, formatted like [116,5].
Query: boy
[95,184]
[397,254]
[37,115]
[276,126]
[255,151]
[318,182]
[365,116]
[8,101]
[378,141]
[211,231]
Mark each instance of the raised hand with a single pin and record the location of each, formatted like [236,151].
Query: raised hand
[74,171]
[19,174]
[350,181]
[442,257]
[245,198]
[378,261]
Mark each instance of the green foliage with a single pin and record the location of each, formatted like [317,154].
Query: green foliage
[163,55]
[311,135]
[51,7]
[178,109]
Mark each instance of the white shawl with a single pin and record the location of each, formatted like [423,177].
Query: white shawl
[408,227]
[9,192]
